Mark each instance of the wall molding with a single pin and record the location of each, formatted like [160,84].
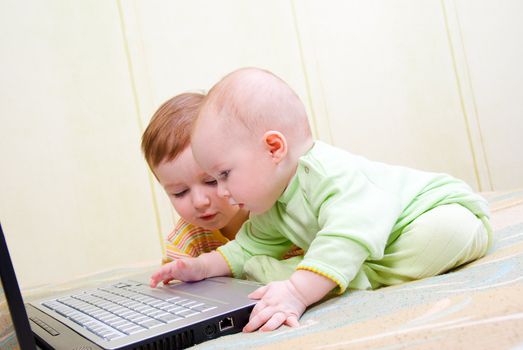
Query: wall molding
[466,95]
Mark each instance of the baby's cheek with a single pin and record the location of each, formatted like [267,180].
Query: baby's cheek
[185,211]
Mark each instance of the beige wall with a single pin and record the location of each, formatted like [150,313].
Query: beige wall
[430,84]
[75,195]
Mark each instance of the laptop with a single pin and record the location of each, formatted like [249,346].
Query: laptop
[127,314]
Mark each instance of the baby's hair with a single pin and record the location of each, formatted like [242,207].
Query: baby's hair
[169,131]
[259,100]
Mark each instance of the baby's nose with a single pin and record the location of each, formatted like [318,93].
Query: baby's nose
[200,200]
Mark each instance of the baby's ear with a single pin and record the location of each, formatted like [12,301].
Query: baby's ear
[276,144]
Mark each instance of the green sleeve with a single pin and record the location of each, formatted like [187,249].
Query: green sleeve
[355,218]
[256,237]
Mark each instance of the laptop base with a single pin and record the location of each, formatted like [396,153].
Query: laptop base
[48,330]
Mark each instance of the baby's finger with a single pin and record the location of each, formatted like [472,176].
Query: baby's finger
[292,321]
[259,319]
[153,282]
[155,279]
[161,275]
[260,305]
[258,293]
[274,322]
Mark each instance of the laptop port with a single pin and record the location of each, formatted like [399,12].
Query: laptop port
[210,330]
[225,324]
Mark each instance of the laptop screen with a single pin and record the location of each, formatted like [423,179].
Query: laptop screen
[15,332]
[8,340]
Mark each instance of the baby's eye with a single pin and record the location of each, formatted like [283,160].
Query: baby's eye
[180,194]
[224,174]
[212,182]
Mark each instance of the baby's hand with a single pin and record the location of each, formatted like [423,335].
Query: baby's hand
[186,269]
[280,303]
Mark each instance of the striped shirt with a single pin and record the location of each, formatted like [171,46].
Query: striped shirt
[189,240]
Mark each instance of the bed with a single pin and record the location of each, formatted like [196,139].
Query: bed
[478,306]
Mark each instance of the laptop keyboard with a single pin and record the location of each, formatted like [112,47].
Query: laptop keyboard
[125,308]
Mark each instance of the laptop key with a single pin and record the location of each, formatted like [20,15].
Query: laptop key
[186,313]
[112,336]
[195,305]
[163,305]
[140,319]
[51,304]
[169,318]
[173,309]
[105,332]
[154,302]
[150,323]
[155,293]
[132,329]
[117,323]
[186,303]
[143,308]
[203,308]
[122,328]
[154,313]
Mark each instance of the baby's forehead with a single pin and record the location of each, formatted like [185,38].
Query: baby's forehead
[220,123]
[206,127]
[207,136]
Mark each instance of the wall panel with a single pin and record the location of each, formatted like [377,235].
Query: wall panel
[75,197]
[385,83]
[492,35]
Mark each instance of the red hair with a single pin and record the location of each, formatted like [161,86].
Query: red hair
[169,131]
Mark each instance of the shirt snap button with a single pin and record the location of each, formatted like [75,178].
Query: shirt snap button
[306,170]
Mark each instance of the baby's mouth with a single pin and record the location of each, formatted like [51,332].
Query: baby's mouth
[208,216]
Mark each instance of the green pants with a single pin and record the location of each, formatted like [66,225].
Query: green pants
[437,241]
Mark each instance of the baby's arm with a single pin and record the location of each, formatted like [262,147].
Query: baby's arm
[192,269]
[283,302]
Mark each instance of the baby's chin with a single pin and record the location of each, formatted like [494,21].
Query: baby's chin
[212,226]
